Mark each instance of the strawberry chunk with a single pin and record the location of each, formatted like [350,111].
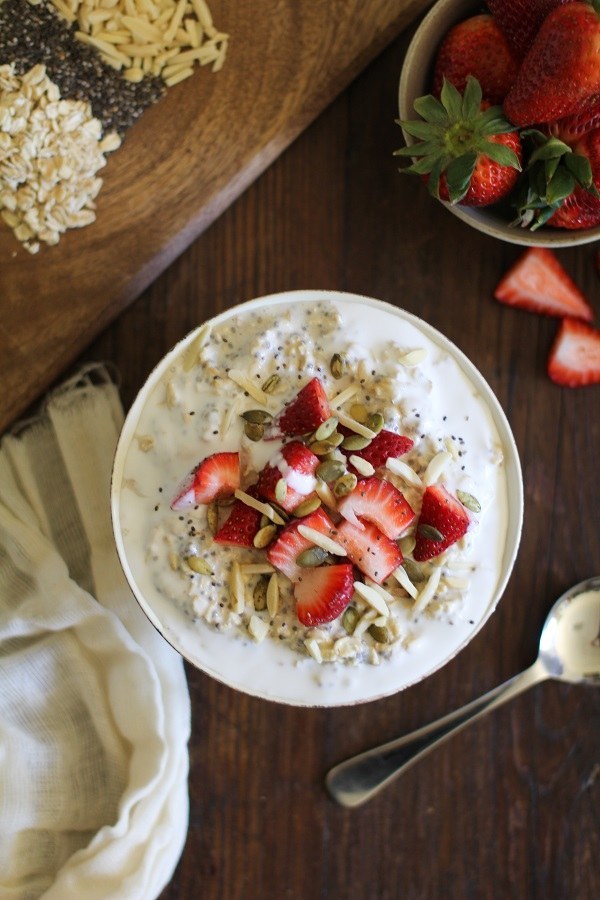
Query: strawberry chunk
[441,513]
[216,476]
[384,445]
[241,525]
[378,501]
[538,283]
[323,593]
[296,464]
[304,413]
[574,359]
[369,549]
[284,551]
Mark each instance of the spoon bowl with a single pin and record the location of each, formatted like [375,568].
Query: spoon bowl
[569,651]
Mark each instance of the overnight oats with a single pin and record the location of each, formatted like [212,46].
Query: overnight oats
[317,491]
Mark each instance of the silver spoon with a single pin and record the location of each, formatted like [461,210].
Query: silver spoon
[569,651]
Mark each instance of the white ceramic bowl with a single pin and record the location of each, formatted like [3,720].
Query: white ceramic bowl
[415,81]
[272,670]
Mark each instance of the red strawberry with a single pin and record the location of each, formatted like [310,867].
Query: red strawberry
[241,525]
[384,445]
[537,282]
[581,209]
[369,549]
[574,359]
[521,19]
[323,593]
[304,413]
[378,501]
[467,151]
[444,514]
[476,47]
[572,128]
[216,476]
[561,71]
[284,551]
[296,464]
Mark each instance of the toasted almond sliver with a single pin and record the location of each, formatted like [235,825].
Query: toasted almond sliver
[362,465]
[454,582]
[355,426]
[236,587]
[264,508]
[427,593]
[343,396]
[314,649]
[372,597]
[404,471]
[387,596]
[273,594]
[248,385]
[413,357]
[256,568]
[364,622]
[258,628]
[321,540]
[436,466]
[403,579]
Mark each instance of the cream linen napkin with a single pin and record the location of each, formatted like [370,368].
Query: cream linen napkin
[94,705]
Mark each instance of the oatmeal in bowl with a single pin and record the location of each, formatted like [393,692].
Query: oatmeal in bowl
[316,498]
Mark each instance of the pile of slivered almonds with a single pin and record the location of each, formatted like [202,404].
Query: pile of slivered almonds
[74,76]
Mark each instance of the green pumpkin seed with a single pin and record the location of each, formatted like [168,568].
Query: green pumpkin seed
[259,594]
[431,533]
[380,633]
[359,412]
[337,365]
[326,428]
[350,619]
[212,517]
[280,512]
[312,556]
[355,442]
[321,448]
[264,520]
[198,565]
[375,422]
[253,431]
[271,383]
[264,536]
[257,416]
[469,501]
[330,470]
[413,571]
[307,506]
[281,490]
[345,484]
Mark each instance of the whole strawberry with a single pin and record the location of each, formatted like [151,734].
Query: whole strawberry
[476,47]
[520,20]
[581,209]
[467,151]
[561,72]
[572,128]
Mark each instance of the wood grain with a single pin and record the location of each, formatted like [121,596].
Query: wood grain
[181,165]
[508,809]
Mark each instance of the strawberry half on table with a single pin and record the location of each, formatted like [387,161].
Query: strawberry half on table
[537,282]
[466,150]
[574,359]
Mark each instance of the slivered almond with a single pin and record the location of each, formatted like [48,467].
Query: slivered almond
[436,466]
[405,582]
[248,385]
[372,597]
[321,540]
[263,508]
[343,396]
[397,467]
[355,426]
[427,594]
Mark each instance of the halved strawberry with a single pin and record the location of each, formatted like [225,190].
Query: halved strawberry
[296,464]
[304,413]
[378,501]
[241,525]
[289,544]
[384,445]
[323,593]
[369,549]
[216,476]
[445,521]
[574,359]
[537,282]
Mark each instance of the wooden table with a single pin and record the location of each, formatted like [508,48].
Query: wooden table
[508,808]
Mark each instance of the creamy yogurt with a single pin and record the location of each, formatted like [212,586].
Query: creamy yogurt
[191,407]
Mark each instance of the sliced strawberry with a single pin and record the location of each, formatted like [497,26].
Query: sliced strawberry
[384,445]
[216,476]
[537,282]
[574,359]
[284,551]
[304,413]
[296,464]
[369,549]
[378,501]
[241,525]
[442,513]
[323,593]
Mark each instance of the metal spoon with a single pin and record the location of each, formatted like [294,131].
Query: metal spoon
[569,651]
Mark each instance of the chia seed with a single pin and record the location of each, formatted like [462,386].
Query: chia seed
[36,34]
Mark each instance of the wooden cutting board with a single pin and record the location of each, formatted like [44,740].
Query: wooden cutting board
[180,166]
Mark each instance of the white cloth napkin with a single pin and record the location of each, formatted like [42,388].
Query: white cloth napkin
[94,705]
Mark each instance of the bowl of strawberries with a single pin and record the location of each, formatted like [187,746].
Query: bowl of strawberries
[500,112]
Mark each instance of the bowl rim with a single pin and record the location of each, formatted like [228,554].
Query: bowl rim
[435,22]
[513,476]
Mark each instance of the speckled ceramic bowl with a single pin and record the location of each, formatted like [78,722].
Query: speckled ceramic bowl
[415,80]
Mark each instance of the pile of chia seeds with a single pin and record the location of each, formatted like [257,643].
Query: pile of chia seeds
[36,34]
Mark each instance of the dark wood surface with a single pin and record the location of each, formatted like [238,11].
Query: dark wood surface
[509,807]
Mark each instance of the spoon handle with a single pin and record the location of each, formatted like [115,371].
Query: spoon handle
[356,780]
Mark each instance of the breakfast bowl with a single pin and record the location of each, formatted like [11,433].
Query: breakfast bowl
[292,560]
[416,81]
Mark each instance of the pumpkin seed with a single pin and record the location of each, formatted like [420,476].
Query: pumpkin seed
[326,429]
[321,448]
[413,571]
[359,412]
[330,470]
[271,383]
[312,556]
[431,533]
[337,365]
[259,594]
[264,520]
[264,536]
[375,422]
[355,442]
[350,619]
[283,515]
[380,633]
[257,416]
[198,565]
[254,431]
[212,517]
[281,490]
[345,484]
[307,506]
[469,501]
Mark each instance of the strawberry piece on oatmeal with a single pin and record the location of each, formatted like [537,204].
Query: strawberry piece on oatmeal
[215,476]
[379,502]
[442,522]
[323,593]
